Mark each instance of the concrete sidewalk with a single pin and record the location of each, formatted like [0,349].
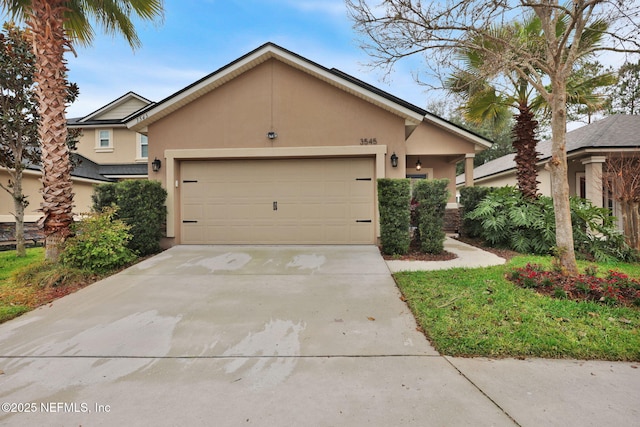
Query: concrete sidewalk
[275,336]
[468,257]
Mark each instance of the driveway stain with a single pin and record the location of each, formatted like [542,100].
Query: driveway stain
[307,262]
[229,261]
[146,336]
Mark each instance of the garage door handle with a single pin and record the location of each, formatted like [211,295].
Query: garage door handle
[275,206]
[363,220]
[186,221]
[363,179]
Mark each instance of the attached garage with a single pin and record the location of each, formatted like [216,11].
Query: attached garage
[278,201]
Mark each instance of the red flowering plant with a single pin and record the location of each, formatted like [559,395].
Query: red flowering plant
[615,288]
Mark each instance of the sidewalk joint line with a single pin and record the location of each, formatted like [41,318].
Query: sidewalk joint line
[483,392]
[322,356]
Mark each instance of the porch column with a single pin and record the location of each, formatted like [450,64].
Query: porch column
[593,178]
[468,169]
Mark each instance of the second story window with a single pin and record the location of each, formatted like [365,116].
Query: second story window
[103,139]
[143,146]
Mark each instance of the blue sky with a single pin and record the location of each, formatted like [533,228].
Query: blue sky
[199,36]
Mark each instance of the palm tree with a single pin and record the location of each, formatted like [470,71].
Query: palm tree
[55,26]
[485,103]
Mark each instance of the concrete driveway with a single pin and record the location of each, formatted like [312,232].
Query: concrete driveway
[233,335]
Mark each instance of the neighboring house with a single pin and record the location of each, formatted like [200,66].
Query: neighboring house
[273,149]
[588,148]
[119,152]
[106,152]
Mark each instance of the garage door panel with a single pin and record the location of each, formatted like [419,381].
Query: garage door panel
[318,201]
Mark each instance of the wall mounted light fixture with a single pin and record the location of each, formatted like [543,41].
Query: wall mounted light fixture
[156,164]
[418,164]
[394,160]
[272,135]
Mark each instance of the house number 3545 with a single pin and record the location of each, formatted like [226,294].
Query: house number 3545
[368,141]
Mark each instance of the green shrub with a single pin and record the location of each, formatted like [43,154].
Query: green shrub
[469,199]
[431,197]
[596,235]
[141,205]
[528,226]
[394,196]
[99,244]
[104,196]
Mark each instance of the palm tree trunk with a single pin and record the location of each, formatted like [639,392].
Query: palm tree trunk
[525,142]
[46,21]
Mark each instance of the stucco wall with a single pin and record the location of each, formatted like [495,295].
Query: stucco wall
[302,110]
[124,146]
[31,187]
[434,140]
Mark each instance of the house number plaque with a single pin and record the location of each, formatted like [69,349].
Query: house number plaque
[368,141]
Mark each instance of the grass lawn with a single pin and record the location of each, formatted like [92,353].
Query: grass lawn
[40,286]
[15,300]
[478,312]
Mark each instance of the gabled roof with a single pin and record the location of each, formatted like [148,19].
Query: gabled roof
[412,114]
[94,117]
[617,132]
[256,57]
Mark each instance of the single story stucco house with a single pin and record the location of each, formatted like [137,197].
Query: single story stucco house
[272,149]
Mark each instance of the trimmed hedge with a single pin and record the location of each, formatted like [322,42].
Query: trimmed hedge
[431,197]
[141,205]
[394,197]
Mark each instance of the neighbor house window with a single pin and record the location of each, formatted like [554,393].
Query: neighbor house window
[581,185]
[143,146]
[104,140]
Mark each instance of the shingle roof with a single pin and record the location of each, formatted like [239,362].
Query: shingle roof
[613,132]
[84,168]
[87,169]
[123,169]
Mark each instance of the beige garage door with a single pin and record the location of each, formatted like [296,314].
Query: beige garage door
[301,201]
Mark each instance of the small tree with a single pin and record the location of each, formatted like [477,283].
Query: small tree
[18,120]
[622,181]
